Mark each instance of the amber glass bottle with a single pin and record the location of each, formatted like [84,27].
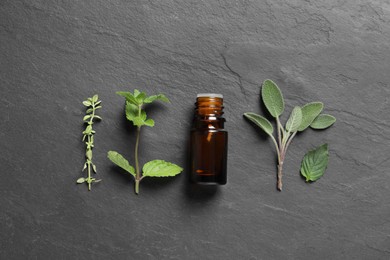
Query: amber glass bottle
[208,141]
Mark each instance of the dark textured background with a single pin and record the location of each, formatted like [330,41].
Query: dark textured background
[54,54]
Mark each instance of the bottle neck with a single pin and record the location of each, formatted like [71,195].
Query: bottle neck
[208,113]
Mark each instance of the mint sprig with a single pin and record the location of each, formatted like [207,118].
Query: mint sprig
[314,163]
[137,115]
[92,104]
[300,119]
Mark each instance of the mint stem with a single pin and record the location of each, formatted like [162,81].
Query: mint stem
[137,170]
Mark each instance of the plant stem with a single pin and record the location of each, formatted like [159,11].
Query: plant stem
[137,170]
[279,130]
[89,169]
[137,186]
[280,174]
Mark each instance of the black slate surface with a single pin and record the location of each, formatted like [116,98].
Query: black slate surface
[54,54]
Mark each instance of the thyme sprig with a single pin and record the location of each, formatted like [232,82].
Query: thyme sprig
[92,104]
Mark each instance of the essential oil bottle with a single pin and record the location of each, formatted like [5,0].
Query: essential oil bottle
[209,141]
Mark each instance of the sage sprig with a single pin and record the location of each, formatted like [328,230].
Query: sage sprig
[300,119]
[92,104]
[137,115]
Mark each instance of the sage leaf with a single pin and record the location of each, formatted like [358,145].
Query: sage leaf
[80,180]
[121,162]
[323,121]
[160,168]
[314,163]
[309,112]
[261,122]
[272,98]
[295,120]
[160,97]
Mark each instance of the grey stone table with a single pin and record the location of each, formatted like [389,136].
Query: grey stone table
[54,54]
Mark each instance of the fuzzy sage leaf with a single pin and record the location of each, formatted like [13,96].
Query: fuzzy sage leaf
[295,120]
[323,121]
[314,163]
[272,98]
[261,122]
[309,112]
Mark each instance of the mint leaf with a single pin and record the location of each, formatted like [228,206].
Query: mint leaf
[272,98]
[261,122]
[136,92]
[139,96]
[129,97]
[309,112]
[160,168]
[121,162]
[131,111]
[160,97]
[295,120]
[314,163]
[149,122]
[138,121]
[323,121]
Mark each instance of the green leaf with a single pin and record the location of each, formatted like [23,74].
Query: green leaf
[160,97]
[295,120]
[140,97]
[121,162]
[136,92]
[272,98]
[98,107]
[261,122]
[89,110]
[88,154]
[86,117]
[160,168]
[138,121]
[98,117]
[85,166]
[309,112]
[323,121]
[97,103]
[94,168]
[314,163]
[95,98]
[149,122]
[80,180]
[87,103]
[129,97]
[131,111]
[143,115]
